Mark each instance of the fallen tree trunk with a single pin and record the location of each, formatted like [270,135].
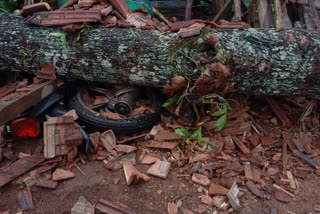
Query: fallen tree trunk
[260,61]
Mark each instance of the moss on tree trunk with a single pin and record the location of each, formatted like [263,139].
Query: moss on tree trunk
[261,61]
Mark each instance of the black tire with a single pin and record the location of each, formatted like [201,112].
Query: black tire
[125,126]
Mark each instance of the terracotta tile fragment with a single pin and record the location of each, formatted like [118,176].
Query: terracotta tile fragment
[253,188]
[132,174]
[48,72]
[172,208]
[61,174]
[215,189]
[160,169]
[200,179]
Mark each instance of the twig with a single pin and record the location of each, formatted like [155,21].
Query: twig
[279,21]
[284,157]
[80,170]
[237,10]
[315,13]
[283,190]
[157,12]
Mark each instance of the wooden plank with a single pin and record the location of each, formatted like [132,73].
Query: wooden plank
[14,104]
[19,167]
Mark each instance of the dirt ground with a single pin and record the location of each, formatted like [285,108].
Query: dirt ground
[144,197]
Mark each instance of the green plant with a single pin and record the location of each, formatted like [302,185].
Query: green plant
[79,34]
[133,35]
[222,114]
[62,36]
[174,100]
[196,135]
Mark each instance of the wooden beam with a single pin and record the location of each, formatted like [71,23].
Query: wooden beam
[15,103]
[237,10]
[223,12]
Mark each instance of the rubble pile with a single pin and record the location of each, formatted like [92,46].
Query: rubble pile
[76,14]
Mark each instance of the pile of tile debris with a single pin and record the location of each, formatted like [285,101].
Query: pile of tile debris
[76,14]
[244,157]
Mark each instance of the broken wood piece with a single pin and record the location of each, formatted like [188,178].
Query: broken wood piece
[61,174]
[19,167]
[132,174]
[159,169]
[283,190]
[85,3]
[200,179]
[108,140]
[25,200]
[138,21]
[14,104]
[108,207]
[82,207]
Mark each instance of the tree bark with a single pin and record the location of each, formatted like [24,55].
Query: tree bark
[285,62]
[265,14]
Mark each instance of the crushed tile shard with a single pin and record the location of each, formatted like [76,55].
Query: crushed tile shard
[61,174]
[132,174]
[159,169]
[82,207]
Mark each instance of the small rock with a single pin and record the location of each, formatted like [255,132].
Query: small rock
[159,191]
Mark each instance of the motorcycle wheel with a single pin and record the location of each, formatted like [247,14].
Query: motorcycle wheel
[127,125]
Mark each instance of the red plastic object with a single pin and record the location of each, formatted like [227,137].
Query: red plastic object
[26,127]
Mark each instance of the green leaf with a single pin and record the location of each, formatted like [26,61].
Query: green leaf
[209,148]
[63,39]
[197,134]
[133,35]
[180,100]
[220,112]
[62,36]
[221,122]
[182,131]
[169,102]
